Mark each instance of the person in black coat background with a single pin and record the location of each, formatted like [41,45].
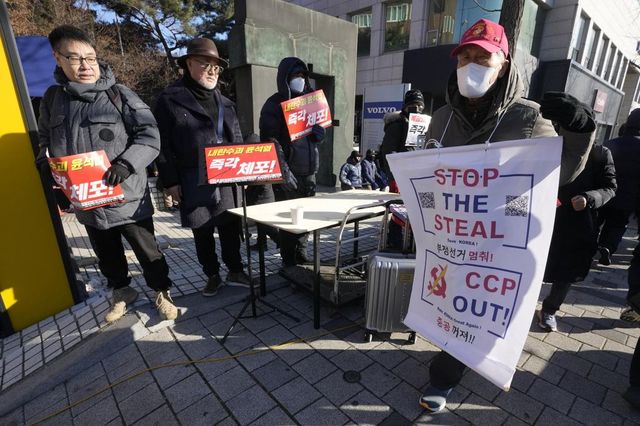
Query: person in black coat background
[575,230]
[396,127]
[615,215]
[301,155]
[192,114]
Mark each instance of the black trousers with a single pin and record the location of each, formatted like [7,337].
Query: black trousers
[555,299]
[614,226]
[292,244]
[445,371]
[111,259]
[633,277]
[228,226]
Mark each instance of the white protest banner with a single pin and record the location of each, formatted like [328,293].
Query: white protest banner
[482,219]
[418,125]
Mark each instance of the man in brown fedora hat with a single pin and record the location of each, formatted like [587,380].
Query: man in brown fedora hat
[192,114]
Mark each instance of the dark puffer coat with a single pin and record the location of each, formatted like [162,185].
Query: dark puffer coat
[626,156]
[301,155]
[76,118]
[185,130]
[575,233]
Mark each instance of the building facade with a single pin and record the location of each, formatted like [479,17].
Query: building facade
[588,48]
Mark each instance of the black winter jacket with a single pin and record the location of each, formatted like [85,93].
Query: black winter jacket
[574,239]
[626,157]
[301,155]
[185,130]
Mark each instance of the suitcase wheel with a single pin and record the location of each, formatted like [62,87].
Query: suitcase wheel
[412,338]
[368,337]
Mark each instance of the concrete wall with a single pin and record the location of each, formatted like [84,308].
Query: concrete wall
[269,30]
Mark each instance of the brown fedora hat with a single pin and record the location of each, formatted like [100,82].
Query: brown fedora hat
[202,47]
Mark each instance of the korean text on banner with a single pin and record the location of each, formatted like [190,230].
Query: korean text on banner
[418,125]
[482,219]
[303,112]
[81,176]
[242,163]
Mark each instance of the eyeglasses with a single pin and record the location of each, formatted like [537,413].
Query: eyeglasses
[207,66]
[77,60]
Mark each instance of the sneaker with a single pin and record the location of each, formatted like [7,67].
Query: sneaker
[166,309]
[632,395]
[434,399]
[547,321]
[629,314]
[121,298]
[605,256]
[213,283]
[238,279]
[302,258]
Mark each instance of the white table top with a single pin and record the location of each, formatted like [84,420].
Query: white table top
[322,211]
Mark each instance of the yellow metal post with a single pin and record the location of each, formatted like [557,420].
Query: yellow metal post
[35,268]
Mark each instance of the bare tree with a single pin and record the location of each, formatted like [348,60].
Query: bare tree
[510,19]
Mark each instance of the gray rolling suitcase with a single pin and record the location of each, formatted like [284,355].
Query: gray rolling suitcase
[389,282]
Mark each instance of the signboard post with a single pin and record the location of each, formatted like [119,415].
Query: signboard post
[482,218]
[245,164]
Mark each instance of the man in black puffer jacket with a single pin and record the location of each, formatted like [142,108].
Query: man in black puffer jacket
[301,155]
[396,127]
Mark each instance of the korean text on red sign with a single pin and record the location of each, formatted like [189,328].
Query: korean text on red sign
[303,112]
[80,177]
[242,163]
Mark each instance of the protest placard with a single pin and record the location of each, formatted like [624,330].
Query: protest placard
[81,176]
[482,219]
[242,163]
[303,112]
[418,125]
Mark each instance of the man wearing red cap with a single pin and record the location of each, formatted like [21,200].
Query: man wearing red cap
[484,104]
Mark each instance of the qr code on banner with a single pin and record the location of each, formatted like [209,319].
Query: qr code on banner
[427,200]
[517,205]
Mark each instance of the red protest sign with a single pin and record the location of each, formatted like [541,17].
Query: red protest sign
[256,162]
[303,112]
[80,178]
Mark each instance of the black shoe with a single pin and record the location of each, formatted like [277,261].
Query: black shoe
[301,258]
[605,256]
[212,285]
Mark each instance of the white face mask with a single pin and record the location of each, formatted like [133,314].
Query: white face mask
[297,85]
[474,80]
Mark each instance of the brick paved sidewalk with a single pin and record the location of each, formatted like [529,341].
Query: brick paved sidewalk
[574,376]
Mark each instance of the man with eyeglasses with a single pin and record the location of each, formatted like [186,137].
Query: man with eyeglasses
[81,115]
[193,114]
[484,103]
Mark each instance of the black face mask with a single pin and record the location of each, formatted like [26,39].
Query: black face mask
[413,110]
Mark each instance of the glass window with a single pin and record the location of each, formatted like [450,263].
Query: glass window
[531,28]
[580,38]
[611,56]
[397,26]
[440,22]
[603,54]
[623,73]
[616,69]
[363,21]
[591,54]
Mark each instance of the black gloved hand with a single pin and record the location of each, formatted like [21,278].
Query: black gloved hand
[317,133]
[290,183]
[568,112]
[117,173]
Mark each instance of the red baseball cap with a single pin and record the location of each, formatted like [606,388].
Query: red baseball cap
[486,34]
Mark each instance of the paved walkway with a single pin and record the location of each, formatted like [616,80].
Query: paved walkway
[74,369]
